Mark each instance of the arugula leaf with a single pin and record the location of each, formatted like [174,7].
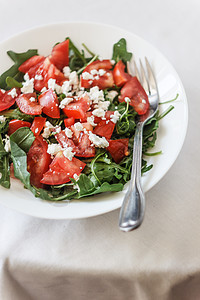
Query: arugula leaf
[17,114]
[2,149]
[18,59]
[120,51]
[23,137]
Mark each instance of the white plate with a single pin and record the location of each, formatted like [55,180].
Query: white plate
[100,39]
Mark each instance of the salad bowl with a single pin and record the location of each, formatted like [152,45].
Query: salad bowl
[171,132]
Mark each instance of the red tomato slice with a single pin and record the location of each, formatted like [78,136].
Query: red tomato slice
[38,161]
[104,81]
[6,101]
[47,70]
[78,108]
[28,107]
[118,149]
[135,92]
[99,64]
[60,55]
[84,148]
[105,127]
[119,75]
[31,62]
[16,124]
[62,169]
[38,125]
[50,104]
[64,141]
[69,122]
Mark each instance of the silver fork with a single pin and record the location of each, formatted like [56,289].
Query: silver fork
[133,207]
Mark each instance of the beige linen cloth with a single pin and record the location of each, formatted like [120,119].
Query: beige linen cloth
[90,258]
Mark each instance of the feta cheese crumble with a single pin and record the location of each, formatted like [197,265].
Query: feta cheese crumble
[32,99]
[28,85]
[111,95]
[53,149]
[91,121]
[99,112]
[68,132]
[47,129]
[97,141]
[78,126]
[66,71]
[7,143]
[67,152]
[51,84]
[65,102]
[13,93]
[38,77]
[115,117]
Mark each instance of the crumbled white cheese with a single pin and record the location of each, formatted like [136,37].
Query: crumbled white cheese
[99,112]
[44,89]
[13,93]
[78,126]
[2,119]
[103,105]
[102,72]
[66,87]
[58,89]
[90,81]
[91,121]
[3,91]
[32,99]
[28,86]
[96,95]
[96,77]
[115,117]
[144,101]
[94,72]
[111,95]
[47,129]
[7,143]
[87,76]
[99,142]
[65,102]
[67,152]
[112,61]
[26,77]
[68,132]
[66,71]
[51,84]
[53,149]
[73,79]
[36,130]
[38,77]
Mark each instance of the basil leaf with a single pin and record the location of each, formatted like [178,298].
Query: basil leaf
[23,137]
[120,51]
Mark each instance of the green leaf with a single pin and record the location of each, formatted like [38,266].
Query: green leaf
[23,137]
[17,114]
[2,149]
[12,83]
[120,51]
[5,172]
[18,59]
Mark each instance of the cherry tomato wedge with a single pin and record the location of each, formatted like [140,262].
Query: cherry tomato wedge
[60,55]
[30,63]
[6,100]
[69,122]
[38,161]
[27,106]
[78,108]
[118,149]
[104,80]
[16,124]
[62,169]
[135,92]
[37,125]
[50,104]
[46,71]
[105,127]
[119,75]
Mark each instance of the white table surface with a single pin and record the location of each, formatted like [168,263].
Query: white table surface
[91,258]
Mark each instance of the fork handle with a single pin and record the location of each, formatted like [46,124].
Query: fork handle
[133,207]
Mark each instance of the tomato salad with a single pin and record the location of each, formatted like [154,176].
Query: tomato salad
[68,120]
